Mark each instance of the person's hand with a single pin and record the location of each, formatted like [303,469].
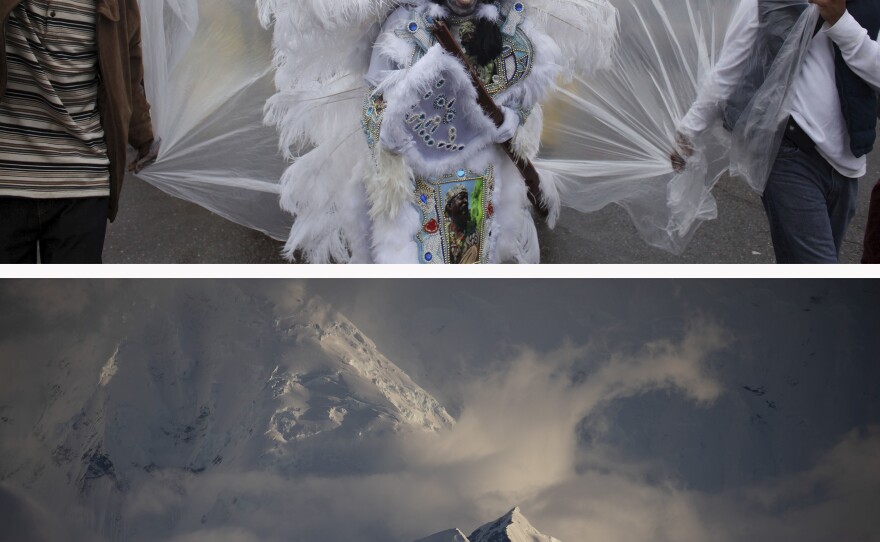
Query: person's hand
[831,10]
[507,130]
[144,159]
[684,149]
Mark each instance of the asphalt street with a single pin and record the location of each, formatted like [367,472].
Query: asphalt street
[156,228]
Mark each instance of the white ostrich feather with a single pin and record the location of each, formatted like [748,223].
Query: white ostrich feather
[322,52]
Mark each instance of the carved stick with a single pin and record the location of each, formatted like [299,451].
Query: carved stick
[525,166]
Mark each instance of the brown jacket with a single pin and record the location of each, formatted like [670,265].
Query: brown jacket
[125,112]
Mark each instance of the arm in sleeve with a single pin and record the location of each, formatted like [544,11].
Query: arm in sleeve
[728,71]
[140,131]
[862,54]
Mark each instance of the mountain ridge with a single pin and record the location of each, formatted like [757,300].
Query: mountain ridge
[511,527]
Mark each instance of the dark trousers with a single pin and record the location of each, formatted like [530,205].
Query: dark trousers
[68,230]
[872,231]
[809,206]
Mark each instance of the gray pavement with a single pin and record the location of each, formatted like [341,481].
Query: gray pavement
[155,228]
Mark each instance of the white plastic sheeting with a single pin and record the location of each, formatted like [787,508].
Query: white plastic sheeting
[208,67]
[209,75]
[611,136]
[758,134]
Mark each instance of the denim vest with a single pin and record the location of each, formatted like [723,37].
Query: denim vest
[859,104]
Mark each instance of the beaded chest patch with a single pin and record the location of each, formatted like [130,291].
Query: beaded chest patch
[512,66]
[457,214]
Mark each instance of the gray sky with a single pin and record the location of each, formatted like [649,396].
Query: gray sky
[608,410]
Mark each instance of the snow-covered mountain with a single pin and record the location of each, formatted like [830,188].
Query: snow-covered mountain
[452,535]
[218,382]
[511,527]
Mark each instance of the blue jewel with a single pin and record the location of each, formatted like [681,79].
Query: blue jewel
[413,27]
[461,173]
[430,19]
[429,257]
[518,6]
[424,198]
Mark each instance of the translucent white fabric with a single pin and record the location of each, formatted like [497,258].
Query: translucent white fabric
[208,75]
[758,134]
[611,136]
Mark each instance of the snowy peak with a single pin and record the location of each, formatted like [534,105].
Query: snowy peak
[512,527]
[347,345]
[452,535]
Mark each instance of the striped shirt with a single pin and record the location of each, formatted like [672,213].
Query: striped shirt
[51,137]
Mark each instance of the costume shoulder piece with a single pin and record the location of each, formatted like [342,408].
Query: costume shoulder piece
[411,28]
[406,39]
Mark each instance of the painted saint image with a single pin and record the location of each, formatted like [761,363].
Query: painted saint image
[463,230]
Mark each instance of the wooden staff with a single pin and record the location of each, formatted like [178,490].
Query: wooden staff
[525,166]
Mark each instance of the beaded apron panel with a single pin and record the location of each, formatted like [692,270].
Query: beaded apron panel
[457,214]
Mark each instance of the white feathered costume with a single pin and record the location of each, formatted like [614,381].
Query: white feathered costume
[393,159]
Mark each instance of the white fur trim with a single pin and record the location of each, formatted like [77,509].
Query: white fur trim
[527,141]
[394,238]
[488,12]
[484,11]
[435,10]
[516,240]
[389,185]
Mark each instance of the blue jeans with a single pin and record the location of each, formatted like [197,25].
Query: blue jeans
[809,206]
